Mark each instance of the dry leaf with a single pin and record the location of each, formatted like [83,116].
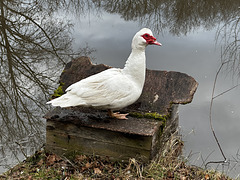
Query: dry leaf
[97,171]
[80,158]
[207,177]
[183,177]
[88,165]
[170,174]
[51,159]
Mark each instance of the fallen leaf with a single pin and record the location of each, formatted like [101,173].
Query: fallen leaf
[88,165]
[183,177]
[80,158]
[97,171]
[52,158]
[170,174]
[207,177]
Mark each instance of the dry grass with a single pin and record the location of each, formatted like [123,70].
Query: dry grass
[43,165]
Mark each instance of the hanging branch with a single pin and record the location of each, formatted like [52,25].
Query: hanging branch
[210,113]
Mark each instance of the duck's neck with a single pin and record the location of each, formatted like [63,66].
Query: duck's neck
[135,66]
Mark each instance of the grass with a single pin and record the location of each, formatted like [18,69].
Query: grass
[44,165]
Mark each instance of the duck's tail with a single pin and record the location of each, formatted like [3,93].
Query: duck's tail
[67,100]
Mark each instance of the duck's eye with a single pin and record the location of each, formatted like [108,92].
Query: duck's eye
[146,36]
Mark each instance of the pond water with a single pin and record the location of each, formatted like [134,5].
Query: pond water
[195,52]
[195,37]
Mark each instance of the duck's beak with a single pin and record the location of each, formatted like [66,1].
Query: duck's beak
[156,43]
[153,41]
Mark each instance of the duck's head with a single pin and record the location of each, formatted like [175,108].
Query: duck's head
[143,38]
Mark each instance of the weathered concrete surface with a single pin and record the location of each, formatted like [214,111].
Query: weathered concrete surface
[91,131]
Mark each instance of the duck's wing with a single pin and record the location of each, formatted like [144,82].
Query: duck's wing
[100,90]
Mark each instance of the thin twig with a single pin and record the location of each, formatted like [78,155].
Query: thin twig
[210,118]
[210,113]
[226,91]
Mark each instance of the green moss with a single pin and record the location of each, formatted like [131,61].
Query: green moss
[59,91]
[136,114]
[156,116]
[163,125]
[153,115]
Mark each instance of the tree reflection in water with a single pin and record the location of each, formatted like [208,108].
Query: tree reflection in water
[177,17]
[229,33]
[34,46]
[36,42]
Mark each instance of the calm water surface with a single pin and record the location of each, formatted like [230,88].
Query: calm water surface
[193,43]
[196,54]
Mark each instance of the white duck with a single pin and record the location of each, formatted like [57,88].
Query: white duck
[114,88]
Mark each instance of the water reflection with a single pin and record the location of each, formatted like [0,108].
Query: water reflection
[229,33]
[34,46]
[36,42]
[178,17]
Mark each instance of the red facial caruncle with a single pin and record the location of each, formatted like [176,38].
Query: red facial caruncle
[150,39]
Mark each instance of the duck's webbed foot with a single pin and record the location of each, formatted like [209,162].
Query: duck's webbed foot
[117,115]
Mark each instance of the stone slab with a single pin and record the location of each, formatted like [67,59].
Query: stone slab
[161,88]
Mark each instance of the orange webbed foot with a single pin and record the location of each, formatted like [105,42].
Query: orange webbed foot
[117,115]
